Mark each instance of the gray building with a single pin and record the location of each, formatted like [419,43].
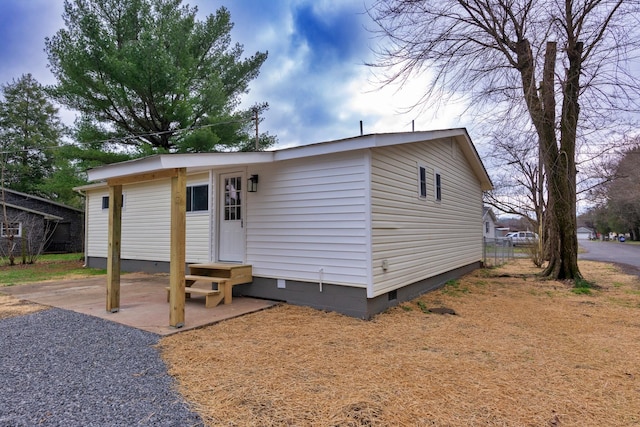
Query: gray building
[36,225]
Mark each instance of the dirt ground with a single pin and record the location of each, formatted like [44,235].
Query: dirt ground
[10,306]
[518,352]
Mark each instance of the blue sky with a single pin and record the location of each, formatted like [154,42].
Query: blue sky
[314,79]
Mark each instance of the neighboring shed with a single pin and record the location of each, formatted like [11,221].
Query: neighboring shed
[38,225]
[355,225]
[502,231]
[585,233]
[489,223]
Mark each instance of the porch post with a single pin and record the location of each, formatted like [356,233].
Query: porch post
[113,254]
[178,250]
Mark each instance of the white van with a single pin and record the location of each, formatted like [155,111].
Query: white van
[522,238]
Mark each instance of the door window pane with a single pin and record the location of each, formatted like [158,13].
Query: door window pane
[232,198]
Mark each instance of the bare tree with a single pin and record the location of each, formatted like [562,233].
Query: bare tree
[519,184]
[535,56]
[25,235]
[31,232]
[517,178]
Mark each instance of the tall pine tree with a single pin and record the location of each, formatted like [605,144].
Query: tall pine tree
[30,132]
[145,70]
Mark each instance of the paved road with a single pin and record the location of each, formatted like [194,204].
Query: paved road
[624,254]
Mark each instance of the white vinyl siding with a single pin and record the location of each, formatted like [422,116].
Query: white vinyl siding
[97,224]
[308,220]
[146,221]
[417,238]
[146,225]
[198,232]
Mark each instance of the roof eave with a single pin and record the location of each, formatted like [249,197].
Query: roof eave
[45,215]
[192,162]
[204,161]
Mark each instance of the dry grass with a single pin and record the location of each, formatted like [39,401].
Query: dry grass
[10,306]
[519,352]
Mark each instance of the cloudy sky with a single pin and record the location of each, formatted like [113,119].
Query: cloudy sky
[314,79]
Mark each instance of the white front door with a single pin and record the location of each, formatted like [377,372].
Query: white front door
[231,236]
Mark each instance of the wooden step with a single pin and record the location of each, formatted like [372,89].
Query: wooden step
[213,297]
[236,274]
[211,279]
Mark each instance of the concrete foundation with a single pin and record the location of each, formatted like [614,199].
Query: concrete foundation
[351,301]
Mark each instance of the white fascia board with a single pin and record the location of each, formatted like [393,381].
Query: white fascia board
[200,161]
[460,135]
[365,142]
[89,187]
[470,152]
[384,140]
[320,148]
[129,167]
[193,161]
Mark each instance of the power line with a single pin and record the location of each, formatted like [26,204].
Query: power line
[121,140]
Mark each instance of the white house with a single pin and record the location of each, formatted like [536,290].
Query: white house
[489,223]
[354,225]
[584,233]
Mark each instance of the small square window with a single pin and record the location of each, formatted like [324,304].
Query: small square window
[105,202]
[13,229]
[197,198]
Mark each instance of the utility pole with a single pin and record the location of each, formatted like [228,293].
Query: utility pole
[255,111]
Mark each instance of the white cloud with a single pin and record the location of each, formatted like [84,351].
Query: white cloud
[393,108]
[314,78]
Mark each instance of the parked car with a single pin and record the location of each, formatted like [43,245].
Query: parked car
[522,238]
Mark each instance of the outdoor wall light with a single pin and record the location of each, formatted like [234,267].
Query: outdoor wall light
[252,184]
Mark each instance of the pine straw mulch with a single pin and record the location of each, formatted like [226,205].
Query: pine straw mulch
[518,352]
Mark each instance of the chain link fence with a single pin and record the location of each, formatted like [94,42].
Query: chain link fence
[497,251]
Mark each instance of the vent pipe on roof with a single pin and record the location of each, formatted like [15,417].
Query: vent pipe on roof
[413,125]
[361,133]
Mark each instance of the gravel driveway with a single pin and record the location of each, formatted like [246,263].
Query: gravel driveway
[61,368]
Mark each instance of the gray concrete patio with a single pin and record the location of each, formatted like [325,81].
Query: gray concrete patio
[143,301]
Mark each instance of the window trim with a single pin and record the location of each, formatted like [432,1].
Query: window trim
[437,186]
[233,211]
[189,195]
[106,208]
[422,181]
[4,229]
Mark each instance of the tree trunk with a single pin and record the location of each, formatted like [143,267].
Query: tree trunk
[563,264]
[559,162]
[563,244]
